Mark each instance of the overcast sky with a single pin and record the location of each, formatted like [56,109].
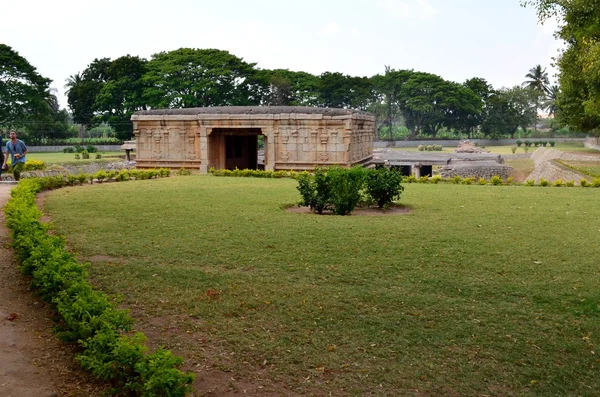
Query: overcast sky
[456,39]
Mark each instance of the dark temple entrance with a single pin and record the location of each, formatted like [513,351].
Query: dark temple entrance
[231,148]
[241,152]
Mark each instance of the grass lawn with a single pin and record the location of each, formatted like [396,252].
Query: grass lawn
[523,168]
[587,167]
[61,158]
[481,290]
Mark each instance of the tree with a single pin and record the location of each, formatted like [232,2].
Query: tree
[122,94]
[429,103]
[388,89]
[471,122]
[200,77]
[579,70]
[337,90]
[83,88]
[537,79]
[23,92]
[509,109]
[282,87]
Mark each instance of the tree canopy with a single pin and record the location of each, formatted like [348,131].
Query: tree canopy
[578,101]
[23,91]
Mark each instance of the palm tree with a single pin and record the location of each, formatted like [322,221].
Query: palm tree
[551,102]
[538,79]
[539,82]
[72,81]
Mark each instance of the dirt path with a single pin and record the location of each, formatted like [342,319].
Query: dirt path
[33,362]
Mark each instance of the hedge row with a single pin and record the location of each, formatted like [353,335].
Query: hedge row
[457,180]
[109,349]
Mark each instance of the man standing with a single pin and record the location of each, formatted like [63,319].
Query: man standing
[1,157]
[17,150]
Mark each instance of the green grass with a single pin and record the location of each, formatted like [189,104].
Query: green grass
[481,290]
[586,167]
[523,168]
[61,158]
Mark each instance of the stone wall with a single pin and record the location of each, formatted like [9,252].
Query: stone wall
[592,143]
[478,171]
[55,149]
[479,142]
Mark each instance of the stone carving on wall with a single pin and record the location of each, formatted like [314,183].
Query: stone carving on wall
[191,147]
[156,149]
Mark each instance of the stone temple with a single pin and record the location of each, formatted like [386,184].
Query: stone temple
[295,138]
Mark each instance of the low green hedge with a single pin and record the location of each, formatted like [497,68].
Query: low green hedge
[109,349]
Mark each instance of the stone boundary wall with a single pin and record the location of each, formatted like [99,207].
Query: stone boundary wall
[479,142]
[55,149]
[485,172]
[592,143]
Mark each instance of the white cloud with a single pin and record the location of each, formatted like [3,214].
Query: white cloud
[408,9]
[332,28]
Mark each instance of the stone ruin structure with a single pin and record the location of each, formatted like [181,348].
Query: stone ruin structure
[295,138]
[481,165]
[469,147]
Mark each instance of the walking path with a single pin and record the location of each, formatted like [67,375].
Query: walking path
[33,362]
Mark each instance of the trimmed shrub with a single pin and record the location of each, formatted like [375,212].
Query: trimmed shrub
[558,183]
[85,154]
[346,185]
[530,182]
[496,180]
[69,150]
[88,316]
[383,185]
[519,142]
[584,182]
[513,149]
[468,181]
[91,149]
[596,182]
[510,180]
[527,143]
[552,143]
[436,179]
[570,183]
[457,180]
[421,148]
[482,181]
[544,183]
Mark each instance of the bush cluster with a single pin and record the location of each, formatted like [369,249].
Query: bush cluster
[81,149]
[430,148]
[30,165]
[248,173]
[340,190]
[87,316]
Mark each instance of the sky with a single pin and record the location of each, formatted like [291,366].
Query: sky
[456,39]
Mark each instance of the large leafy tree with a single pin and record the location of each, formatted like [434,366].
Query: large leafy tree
[83,88]
[200,77]
[388,91]
[470,122]
[509,109]
[122,94]
[337,90]
[282,87]
[579,69]
[429,103]
[23,92]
